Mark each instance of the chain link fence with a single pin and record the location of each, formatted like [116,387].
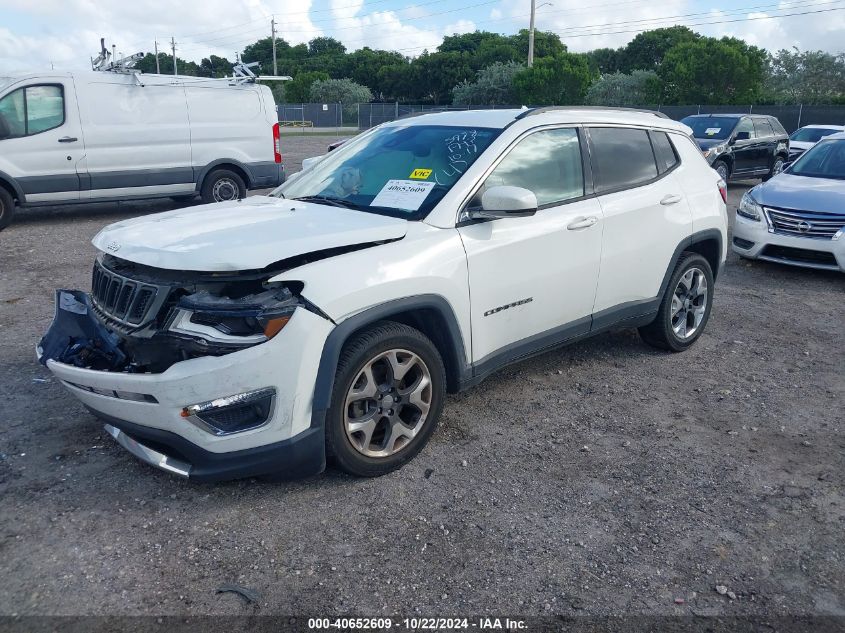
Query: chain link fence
[367,115]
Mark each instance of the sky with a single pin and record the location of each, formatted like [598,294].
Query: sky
[64,34]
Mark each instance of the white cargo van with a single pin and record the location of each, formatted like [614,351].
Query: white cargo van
[98,136]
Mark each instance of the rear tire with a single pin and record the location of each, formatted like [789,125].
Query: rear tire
[776,168]
[7,208]
[223,185]
[388,393]
[723,169]
[685,307]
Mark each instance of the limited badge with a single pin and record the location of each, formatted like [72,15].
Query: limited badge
[420,174]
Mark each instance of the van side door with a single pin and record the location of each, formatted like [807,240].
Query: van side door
[41,142]
[646,216]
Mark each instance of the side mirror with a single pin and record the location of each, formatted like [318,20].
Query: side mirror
[742,136]
[505,202]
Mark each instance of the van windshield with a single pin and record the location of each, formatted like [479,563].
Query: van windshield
[400,171]
[715,127]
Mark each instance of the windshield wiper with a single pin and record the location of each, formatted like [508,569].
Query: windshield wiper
[335,202]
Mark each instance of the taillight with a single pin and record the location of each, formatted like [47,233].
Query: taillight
[277,144]
[723,190]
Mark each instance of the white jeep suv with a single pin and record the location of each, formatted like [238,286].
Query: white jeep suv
[330,318]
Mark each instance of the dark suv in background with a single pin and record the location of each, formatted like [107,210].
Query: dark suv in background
[741,145]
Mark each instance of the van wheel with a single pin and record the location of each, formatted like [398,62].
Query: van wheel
[685,307]
[388,393]
[7,208]
[222,185]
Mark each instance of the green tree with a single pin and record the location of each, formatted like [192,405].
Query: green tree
[343,91]
[641,87]
[546,44]
[647,50]
[493,86]
[810,77]
[147,64]
[435,74]
[713,71]
[298,90]
[214,66]
[560,80]
[606,60]
[363,65]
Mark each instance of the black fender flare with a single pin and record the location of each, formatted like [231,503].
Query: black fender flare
[6,179]
[345,329]
[695,238]
[204,171]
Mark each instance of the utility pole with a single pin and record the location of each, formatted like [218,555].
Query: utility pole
[531,35]
[155,45]
[173,49]
[273,31]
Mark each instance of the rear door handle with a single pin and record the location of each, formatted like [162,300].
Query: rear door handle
[670,199]
[582,223]
[68,139]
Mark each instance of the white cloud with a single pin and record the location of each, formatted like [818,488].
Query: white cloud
[460,27]
[69,31]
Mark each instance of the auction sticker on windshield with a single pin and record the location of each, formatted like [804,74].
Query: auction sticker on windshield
[403,194]
[712,130]
[420,174]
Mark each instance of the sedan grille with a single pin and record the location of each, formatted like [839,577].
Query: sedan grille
[805,223]
[117,297]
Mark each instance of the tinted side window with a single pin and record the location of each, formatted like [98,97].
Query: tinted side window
[664,151]
[778,128]
[13,115]
[547,163]
[745,125]
[622,157]
[763,129]
[31,110]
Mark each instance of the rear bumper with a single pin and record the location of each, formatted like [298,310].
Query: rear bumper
[300,456]
[265,175]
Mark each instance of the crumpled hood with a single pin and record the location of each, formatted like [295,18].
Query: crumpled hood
[246,235]
[802,193]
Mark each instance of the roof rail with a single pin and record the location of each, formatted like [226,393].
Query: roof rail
[544,109]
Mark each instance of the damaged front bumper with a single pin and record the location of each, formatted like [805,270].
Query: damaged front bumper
[164,418]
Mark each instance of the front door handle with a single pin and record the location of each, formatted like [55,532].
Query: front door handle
[670,199]
[582,223]
[68,139]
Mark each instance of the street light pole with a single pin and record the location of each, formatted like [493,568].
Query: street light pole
[531,35]
[273,31]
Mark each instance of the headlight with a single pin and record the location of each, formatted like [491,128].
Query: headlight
[748,208]
[713,151]
[244,321]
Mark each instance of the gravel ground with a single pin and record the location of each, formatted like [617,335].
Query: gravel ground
[604,478]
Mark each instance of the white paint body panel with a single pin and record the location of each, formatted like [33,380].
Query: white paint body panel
[246,235]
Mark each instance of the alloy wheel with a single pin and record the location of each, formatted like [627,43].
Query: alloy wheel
[225,190]
[689,303]
[388,403]
[722,170]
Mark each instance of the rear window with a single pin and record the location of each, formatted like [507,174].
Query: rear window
[664,151]
[621,157]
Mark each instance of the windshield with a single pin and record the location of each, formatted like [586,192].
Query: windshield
[715,127]
[812,134]
[401,171]
[823,160]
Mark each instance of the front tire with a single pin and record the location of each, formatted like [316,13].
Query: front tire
[388,393]
[685,307]
[7,208]
[223,185]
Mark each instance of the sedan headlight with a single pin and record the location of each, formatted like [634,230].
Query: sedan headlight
[245,321]
[748,208]
[713,151]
